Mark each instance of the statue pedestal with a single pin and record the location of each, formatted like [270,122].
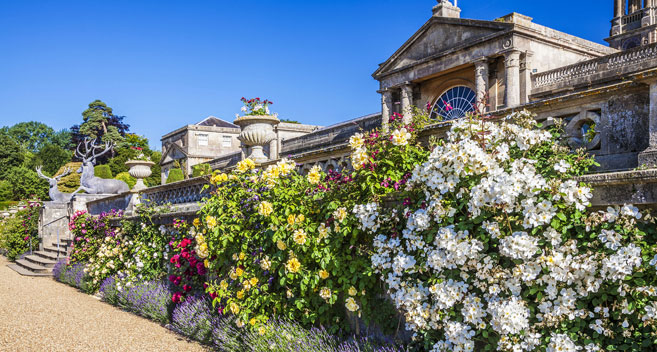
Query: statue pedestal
[53,222]
[79,202]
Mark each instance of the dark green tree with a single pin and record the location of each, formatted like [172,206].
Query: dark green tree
[26,183]
[32,135]
[51,157]
[10,154]
[99,122]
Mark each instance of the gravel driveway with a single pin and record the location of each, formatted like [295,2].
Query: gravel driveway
[40,314]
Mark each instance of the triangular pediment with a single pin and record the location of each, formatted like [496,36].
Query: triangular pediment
[440,35]
[173,152]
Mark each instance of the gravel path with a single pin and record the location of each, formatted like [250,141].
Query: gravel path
[40,314]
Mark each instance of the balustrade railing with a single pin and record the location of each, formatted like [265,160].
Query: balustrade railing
[627,58]
[188,191]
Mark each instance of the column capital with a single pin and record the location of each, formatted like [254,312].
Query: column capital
[512,58]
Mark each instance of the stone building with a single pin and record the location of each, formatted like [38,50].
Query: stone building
[198,143]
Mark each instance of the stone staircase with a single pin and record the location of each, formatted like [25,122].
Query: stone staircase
[41,262]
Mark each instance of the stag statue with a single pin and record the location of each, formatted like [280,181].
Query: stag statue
[88,181]
[54,193]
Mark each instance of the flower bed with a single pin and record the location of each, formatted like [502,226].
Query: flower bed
[483,241]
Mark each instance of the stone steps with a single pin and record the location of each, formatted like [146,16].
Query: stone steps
[41,262]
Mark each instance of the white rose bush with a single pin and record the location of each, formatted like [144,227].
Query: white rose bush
[495,248]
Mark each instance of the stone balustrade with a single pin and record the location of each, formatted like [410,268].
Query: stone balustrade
[189,191]
[587,73]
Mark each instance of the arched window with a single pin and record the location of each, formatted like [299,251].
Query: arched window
[454,103]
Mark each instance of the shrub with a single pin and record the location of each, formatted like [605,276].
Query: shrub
[201,170]
[19,232]
[103,171]
[175,175]
[109,291]
[70,182]
[125,177]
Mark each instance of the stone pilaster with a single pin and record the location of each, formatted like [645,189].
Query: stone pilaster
[619,7]
[481,83]
[512,78]
[386,107]
[648,157]
[407,102]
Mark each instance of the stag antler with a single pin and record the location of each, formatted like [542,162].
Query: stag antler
[108,147]
[90,147]
[67,171]
[38,170]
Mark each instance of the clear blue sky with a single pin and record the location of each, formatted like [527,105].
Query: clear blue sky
[164,64]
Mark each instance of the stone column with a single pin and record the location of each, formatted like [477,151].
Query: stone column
[407,102]
[618,8]
[481,83]
[512,75]
[386,107]
[648,157]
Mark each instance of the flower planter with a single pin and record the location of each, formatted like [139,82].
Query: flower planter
[139,169]
[257,131]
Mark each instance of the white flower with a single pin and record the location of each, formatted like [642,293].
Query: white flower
[520,245]
[400,137]
[562,166]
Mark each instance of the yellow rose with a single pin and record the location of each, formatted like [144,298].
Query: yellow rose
[314,175]
[340,214]
[211,221]
[325,293]
[245,165]
[253,281]
[300,236]
[300,218]
[232,275]
[323,231]
[240,294]
[197,222]
[281,245]
[206,263]
[352,291]
[293,265]
[323,274]
[261,330]
[265,208]
[351,304]
[234,307]
[239,272]
[242,255]
[291,219]
[356,141]
[252,321]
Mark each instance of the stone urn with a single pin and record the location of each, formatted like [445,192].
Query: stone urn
[257,131]
[139,169]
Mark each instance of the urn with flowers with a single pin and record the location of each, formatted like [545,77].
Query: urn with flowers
[140,168]
[257,127]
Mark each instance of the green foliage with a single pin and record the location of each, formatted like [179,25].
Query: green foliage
[156,177]
[70,182]
[34,136]
[101,123]
[6,192]
[175,175]
[51,157]
[10,154]
[201,170]
[19,231]
[6,204]
[125,177]
[26,184]
[103,171]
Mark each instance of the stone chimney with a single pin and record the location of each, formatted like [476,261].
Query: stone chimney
[446,9]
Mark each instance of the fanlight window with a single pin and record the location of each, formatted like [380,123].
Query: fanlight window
[454,103]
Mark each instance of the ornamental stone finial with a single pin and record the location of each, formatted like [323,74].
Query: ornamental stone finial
[445,8]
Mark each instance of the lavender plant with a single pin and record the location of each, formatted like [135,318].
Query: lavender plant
[72,275]
[194,318]
[150,299]
[109,290]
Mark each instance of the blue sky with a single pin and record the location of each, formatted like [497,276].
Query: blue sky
[164,64]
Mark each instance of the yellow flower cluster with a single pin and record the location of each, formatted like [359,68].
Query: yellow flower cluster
[265,208]
[218,178]
[351,304]
[293,265]
[323,274]
[356,141]
[315,175]
[245,165]
[300,237]
[201,246]
[295,219]
[323,231]
[211,222]
[280,169]
[325,293]
[281,245]
[340,214]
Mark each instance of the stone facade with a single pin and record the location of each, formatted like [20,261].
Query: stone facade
[195,144]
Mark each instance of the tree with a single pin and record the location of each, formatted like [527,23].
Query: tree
[26,183]
[51,157]
[33,136]
[100,122]
[10,154]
